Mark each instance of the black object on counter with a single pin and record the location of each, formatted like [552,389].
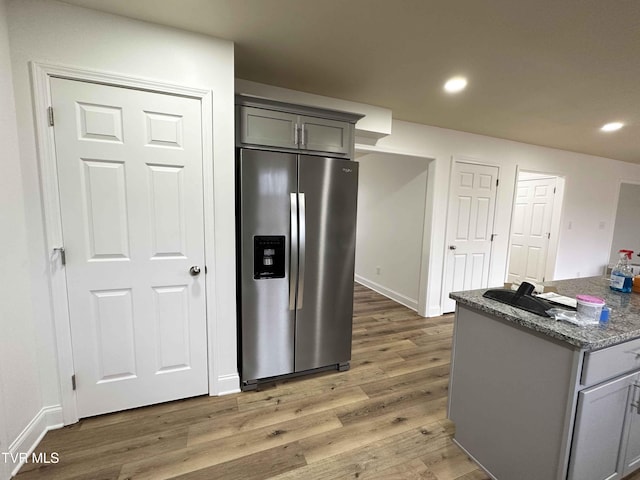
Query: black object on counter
[521,298]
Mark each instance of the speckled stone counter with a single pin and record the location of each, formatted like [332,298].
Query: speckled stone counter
[623,324]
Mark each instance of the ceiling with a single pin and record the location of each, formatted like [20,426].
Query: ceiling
[544,72]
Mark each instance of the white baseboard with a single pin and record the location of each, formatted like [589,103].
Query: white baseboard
[434,311]
[387,292]
[49,418]
[228,384]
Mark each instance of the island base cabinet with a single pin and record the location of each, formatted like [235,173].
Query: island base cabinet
[606,440]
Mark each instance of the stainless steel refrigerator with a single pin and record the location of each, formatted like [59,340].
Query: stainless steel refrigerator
[297,234]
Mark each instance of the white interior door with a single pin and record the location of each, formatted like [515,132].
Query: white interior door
[472,201]
[531,229]
[130,178]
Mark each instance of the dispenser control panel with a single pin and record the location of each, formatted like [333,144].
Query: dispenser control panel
[268,256]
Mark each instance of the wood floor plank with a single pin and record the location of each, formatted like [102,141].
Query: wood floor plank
[227,425]
[449,463]
[419,379]
[369,460]
[78,462]
[257,466]
[95,473]
[211,453]
[349,437]
[383,405]
[413,470]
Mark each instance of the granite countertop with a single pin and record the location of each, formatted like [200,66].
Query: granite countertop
[623,324]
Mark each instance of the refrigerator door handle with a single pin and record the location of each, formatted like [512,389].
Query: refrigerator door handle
[301,254]
[293,261]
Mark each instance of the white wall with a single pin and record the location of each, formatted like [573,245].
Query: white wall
[626,233]
[391,205]
[589,199]
[21,397]
[56,33]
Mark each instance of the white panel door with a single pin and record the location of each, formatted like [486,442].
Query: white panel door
[131,194]
[530,230]
[470,216]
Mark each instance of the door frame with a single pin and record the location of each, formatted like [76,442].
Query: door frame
[464,159]
[556,216]
[41,74]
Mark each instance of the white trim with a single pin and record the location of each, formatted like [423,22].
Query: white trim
[426,262]
[48,418]
[387,292]
[41,74]
[228,384]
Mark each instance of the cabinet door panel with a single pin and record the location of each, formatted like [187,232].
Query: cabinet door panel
[632,451]
[260,126]
[599,431]
[323,135]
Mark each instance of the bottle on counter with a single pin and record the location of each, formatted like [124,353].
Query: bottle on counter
[622,273]
[636,284]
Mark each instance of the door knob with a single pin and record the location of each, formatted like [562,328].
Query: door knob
[194,271]
[452,247]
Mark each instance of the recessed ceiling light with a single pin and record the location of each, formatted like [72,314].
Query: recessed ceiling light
[612,127]
[455,84]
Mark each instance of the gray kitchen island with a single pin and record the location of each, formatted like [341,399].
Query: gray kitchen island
[535,398]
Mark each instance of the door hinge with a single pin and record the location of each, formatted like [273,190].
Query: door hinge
[548,236]
[73,381]
[493,235]
[63,254]
[497,182]
[50,115]
[205,269]
[554,189]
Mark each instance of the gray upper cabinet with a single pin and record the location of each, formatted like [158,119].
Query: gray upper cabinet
[279,125]
[322,135]
[267,127]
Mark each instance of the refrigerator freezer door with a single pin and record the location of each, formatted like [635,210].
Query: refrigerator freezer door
[266,182]
[324,322]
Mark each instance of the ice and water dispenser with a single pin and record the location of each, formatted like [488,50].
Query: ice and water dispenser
[268,256]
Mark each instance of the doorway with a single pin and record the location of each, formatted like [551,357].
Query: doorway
[535,227]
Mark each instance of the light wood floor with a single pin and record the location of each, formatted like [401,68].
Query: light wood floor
[383,419]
